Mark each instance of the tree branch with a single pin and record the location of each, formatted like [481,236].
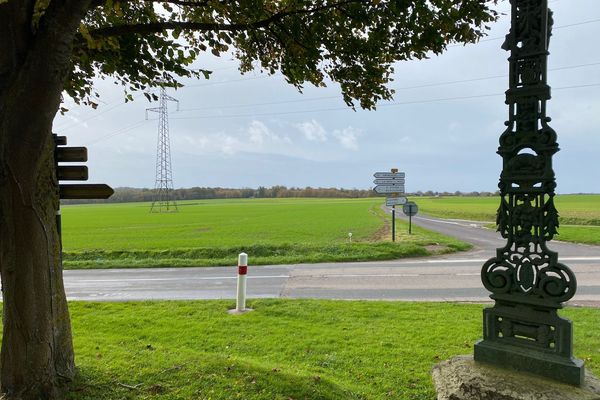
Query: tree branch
[156,27]
[185,3]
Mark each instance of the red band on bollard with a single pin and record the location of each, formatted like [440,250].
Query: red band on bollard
[242,269]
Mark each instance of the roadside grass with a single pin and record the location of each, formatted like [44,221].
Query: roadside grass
[214,232]
[284,349]
[579,234]
[579,214]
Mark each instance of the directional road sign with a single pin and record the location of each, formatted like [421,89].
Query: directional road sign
[85,191]
[394,201]
[389,181]
[389,175]
[75,173]
[381,189]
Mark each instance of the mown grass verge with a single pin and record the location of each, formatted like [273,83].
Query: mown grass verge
[283,350]
[423,244]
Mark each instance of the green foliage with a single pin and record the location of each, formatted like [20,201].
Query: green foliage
[214,232]
[284,349]
[142,44]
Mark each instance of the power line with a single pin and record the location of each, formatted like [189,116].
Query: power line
[577,23]
[261,104]
[139,123]
[400,88]
[322,97]
[63,128]
[490,77]
[491,39]
[227,81]
[119,131]
[103,111]
[393,104]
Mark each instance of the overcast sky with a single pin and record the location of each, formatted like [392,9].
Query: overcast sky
[441,129]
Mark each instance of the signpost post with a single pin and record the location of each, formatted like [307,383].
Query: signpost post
[393,223]
[391,183]
[410,209]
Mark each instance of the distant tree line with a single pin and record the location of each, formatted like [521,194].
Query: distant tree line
[431,193]
[129,194]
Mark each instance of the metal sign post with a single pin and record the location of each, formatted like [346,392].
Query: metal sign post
[410,209]
[391,183]
[393,223]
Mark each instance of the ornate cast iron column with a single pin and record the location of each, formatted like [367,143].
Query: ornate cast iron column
[523,329]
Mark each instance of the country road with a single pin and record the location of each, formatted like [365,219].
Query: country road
[454,277]
[486,241]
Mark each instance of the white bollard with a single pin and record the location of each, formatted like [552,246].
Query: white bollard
[241,283]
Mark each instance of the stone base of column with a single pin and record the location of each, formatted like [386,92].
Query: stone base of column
[562,369]
[461,378]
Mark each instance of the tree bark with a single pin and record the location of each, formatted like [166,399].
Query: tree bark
[37,351]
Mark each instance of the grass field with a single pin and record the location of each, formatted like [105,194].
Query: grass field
[213,232]
[284,350]
[277,231]
[579,214]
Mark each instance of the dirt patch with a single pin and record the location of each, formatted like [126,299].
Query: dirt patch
[383,233]
[437,249]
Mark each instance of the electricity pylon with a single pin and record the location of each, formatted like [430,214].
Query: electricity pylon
[162,200]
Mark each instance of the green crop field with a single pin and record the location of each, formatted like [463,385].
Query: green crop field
[579,214]
[213,232]
[276,231]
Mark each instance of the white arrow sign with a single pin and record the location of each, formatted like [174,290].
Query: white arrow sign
[389,175]
[389,181]
[394,201]
[389,189]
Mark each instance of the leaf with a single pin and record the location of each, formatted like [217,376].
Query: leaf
[206,73]
[351,44]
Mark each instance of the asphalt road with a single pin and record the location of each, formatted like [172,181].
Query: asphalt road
[454,277]
[486,241]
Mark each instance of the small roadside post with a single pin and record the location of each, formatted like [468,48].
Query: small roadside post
[240,305]
[410,208]
[391,183]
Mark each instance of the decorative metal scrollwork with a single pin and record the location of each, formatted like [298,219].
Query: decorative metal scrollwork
[527,217]
[523,329]
[533,277]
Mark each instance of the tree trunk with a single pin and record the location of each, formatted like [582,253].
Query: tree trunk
[37,351]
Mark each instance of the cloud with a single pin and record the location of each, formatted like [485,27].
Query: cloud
[313,131]
[348,137]
[219,142]
[256,137]
[261,134]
